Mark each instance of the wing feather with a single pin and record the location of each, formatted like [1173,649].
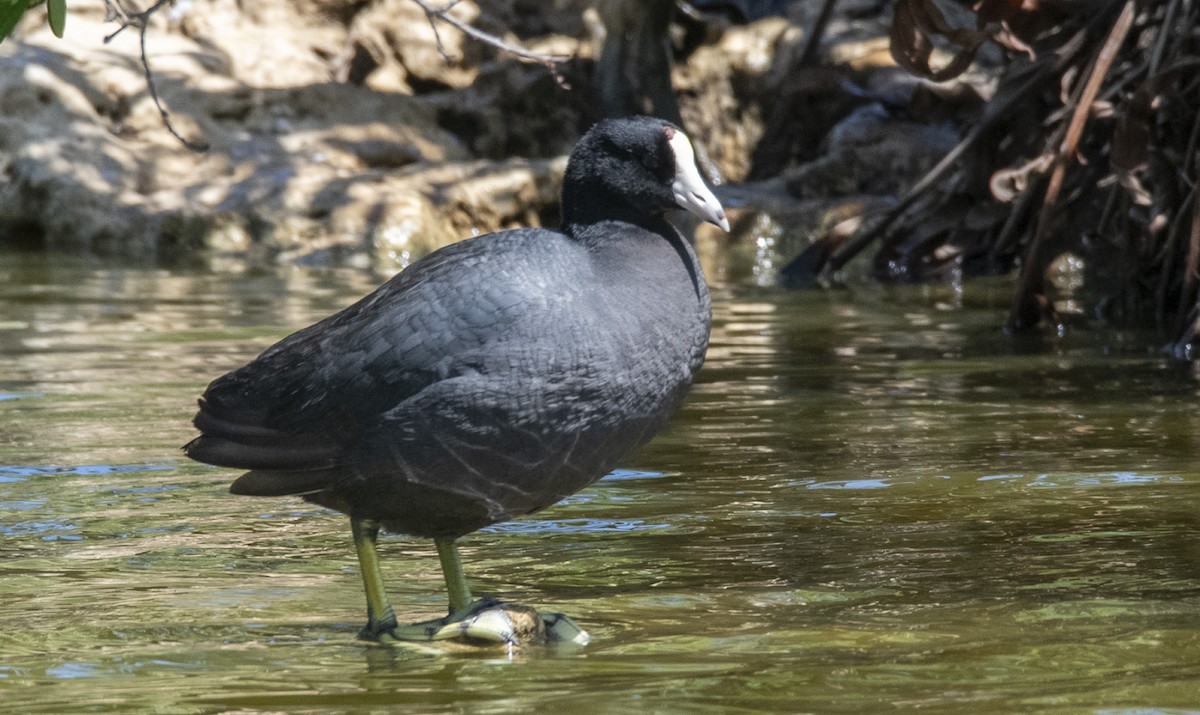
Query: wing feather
[297,407]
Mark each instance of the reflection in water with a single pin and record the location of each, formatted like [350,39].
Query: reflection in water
[871,502]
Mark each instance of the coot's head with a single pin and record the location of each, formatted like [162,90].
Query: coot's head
[634,169]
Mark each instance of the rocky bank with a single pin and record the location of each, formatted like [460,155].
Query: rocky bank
[339,131]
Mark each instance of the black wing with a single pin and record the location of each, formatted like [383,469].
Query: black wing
[296,406]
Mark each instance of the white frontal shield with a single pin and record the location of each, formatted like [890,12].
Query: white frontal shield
[691,193]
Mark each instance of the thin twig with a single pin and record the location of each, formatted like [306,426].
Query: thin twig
[141,20]
[1165,30]
[1189,155]
[812,43]
[1187,293]
[998,114]
[1166,259]
[1015,221]
[550,62]
[1030,303]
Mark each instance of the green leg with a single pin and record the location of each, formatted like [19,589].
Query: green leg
[380,617]
[486,619]
[452,570]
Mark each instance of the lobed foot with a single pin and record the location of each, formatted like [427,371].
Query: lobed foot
[488,620]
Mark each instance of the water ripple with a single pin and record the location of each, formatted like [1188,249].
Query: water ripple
[18,473]
[1085,479]
[852,484]
[573,526]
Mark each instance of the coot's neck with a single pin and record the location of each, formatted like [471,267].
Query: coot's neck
[585,205]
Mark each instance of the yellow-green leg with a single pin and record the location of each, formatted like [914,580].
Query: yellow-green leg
[380,617]
[452,570]
[486,619]
[465,619]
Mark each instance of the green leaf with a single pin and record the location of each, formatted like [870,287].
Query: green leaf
[10,13]
[56,13]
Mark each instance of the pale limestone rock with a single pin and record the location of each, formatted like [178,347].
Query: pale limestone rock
[299,167]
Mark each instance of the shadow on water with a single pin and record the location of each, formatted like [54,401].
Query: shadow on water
[871,502]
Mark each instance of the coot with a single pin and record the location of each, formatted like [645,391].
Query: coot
[488,380]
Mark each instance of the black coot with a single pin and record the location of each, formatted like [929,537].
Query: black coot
[490,379]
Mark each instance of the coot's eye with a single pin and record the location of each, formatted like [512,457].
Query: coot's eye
[659,159]
[652,159]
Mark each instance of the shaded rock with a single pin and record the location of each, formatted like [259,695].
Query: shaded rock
[516,109]
[872,152]
[533,19]
[633,69]
[405,52]
[720,89]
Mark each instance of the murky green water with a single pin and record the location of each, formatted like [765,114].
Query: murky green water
[872,503]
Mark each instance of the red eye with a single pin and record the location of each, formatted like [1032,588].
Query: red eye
[670,132]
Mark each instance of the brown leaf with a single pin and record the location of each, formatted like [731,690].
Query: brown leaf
[1006,38]
[1133,136]
[1003,10]
[1136,190]
[910,45]
[1007,184]
[914,25]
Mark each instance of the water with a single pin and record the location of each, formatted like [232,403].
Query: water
[873,502]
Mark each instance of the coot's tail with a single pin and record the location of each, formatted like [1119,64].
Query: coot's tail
[281,463]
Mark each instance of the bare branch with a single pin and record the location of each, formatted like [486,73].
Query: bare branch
[141,20]
[1031,303]
[442,13]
